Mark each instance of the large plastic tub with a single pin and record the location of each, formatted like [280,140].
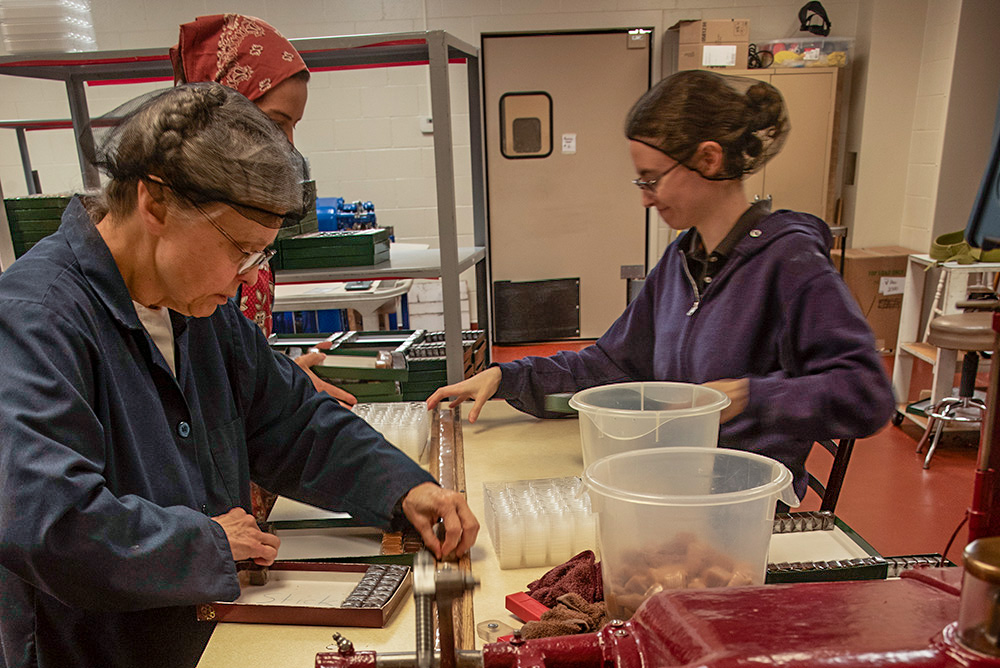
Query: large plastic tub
[655,414]
[809,51]
[683,518]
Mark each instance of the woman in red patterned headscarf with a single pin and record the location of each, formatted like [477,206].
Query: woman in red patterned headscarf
[249,55]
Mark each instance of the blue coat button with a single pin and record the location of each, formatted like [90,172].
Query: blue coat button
[183,429]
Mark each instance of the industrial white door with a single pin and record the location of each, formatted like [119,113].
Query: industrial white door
[564,218]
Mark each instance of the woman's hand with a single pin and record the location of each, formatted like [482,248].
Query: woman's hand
[738,391]
[480,388]
[427,503]
[311,359]
[246,540]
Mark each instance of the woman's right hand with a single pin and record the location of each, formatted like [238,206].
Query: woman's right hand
[246,540]
[480,388]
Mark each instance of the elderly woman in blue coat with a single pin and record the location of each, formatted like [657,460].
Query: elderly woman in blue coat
[137,403]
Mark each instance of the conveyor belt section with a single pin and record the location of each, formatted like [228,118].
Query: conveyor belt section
[809,521]
[866,568]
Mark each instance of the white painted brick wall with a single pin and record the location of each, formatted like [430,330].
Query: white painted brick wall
[426,305]
[361,130]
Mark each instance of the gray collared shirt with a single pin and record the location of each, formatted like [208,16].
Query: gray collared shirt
[705,266]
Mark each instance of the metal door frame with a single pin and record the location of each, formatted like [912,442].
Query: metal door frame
[486,120]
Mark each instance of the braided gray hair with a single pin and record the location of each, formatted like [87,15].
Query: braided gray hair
[207,143]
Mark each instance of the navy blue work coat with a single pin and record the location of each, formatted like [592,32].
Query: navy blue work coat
[110,467]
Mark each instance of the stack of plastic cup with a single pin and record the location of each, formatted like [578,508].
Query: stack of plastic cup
[407,425]
[538,522]
[38,26]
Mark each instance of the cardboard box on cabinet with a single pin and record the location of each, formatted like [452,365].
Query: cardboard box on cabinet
[711,44]
[713,31]
[875,277]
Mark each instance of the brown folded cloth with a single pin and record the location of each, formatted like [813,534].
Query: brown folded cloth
[580,575]
[571,615]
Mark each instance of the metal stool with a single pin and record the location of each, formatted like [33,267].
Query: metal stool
[971,332]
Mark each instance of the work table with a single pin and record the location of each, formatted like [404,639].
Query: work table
[502,445]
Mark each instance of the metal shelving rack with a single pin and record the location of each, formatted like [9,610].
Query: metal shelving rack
[434,48]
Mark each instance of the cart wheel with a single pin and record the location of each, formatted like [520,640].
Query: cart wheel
[897,418]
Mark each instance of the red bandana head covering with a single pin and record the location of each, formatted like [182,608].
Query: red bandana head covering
[248,55]
[238,51]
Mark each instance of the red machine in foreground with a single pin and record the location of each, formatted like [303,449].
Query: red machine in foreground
[926,618]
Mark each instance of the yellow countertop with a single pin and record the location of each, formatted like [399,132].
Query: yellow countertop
[503,445]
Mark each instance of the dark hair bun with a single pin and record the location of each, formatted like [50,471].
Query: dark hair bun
[764,107]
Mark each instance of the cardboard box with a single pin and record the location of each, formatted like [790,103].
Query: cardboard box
[712,56]
[875,277]
[712,44]
[714,31]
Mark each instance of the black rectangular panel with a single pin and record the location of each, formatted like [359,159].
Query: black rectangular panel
[531,311]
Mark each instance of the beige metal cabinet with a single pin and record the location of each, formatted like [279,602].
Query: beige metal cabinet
[803,176]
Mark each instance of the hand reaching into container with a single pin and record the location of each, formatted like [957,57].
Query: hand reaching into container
[738,391]
[480,388]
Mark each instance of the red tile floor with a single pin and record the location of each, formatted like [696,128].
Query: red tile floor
[887,498]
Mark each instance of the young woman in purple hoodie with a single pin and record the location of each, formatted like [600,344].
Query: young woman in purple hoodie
[745,300]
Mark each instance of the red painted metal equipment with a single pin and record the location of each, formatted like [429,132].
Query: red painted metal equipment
[904,622]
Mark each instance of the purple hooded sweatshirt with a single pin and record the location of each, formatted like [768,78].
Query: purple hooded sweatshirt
[777,313]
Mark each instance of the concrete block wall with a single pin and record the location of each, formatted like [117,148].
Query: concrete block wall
[426,305]
[362,129]
[929,116]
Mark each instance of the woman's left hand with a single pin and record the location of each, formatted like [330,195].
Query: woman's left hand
[738,391]
[426,503]
[308,360]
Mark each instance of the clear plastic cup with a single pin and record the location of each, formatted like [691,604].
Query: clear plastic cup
[652,414]
[683,518]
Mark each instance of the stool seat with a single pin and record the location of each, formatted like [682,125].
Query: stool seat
[962,331]
[973,333]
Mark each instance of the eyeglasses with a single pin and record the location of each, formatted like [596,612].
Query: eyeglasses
[650,185]
[251,259]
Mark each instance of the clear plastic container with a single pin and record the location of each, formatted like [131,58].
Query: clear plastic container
[683,518]
[46,26]
[407,425]
[808,51]
[57,44]
[542,522]
[631,416]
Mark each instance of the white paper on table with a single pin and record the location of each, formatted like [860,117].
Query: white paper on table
[831,545]
[329,543]
[289,510]
[323,589]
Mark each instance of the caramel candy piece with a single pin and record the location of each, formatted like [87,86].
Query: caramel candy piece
[739,579]
[655,589]
[630,602]
[699,557]
[716,576]
[671,577]
[638,583]
[696,583]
